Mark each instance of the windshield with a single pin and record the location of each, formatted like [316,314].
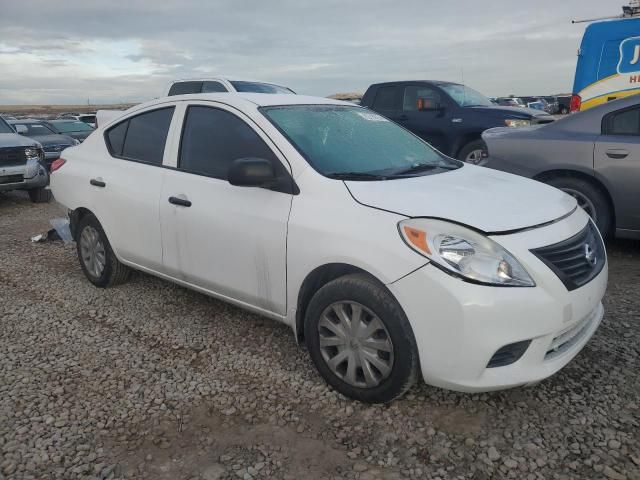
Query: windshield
[341,140]
[35,129]
[465,96]
[256,87]
[78,126]
[4,127]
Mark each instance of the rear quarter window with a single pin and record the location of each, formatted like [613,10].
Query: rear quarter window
[141,138]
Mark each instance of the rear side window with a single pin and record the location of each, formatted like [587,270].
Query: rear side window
[183,88]
[385,99]
[212,87]
[141,138]
[213,138]
[626,122]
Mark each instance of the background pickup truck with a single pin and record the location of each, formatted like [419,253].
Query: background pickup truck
[450,116]
[22,165]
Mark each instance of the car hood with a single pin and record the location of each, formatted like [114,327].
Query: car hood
[15,140]
[479,197]
[513,112]
[54,139]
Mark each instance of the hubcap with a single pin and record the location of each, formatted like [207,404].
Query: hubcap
[583,201]
[474,157]
[92,251]
[355,344]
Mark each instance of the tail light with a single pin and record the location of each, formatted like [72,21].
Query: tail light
[57,164]
[576,103]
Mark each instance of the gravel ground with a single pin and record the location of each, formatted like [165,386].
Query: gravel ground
[149,380]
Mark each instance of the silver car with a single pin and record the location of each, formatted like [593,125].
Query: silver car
[593,155]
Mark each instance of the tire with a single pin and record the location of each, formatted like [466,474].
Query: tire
[40,195]
[112,272]
[472,148]
[375,301]
[564,111]
[590,197]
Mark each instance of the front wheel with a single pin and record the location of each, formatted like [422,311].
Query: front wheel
[590,198]
[473,152]
[97,259]
[360,340]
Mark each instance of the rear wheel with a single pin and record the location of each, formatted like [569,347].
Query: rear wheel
[360,340]
[564,110]
[97,259]
[473,152]
[40,195]
[590,198]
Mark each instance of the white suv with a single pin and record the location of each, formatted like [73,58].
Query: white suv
[388,259]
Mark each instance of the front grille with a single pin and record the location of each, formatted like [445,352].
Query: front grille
[11,179]
[12,156]
[576,260]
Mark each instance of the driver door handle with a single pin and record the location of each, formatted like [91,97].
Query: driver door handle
[403,118]
[617,153]
[97,182]
[183,202]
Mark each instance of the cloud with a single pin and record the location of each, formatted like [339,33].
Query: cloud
[112,51]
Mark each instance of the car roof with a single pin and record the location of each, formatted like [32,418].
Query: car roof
[433,82]
[245,99]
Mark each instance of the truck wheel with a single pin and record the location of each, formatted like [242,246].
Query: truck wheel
[360,340]
[564,110]
[97,259]
[40,195]
[590,198]
[472,152]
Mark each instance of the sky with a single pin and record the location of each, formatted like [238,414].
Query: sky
[79,51]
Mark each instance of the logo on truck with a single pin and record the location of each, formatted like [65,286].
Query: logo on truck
[629,56]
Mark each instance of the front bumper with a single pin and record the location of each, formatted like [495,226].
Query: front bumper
[459,326]
[23,177]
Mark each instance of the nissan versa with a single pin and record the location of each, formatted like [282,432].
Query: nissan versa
[389,260]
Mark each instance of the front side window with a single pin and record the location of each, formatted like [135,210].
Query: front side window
[351,141]
[258,87]
[626,122]
[420,98]
[213,138]
[141,138]
[465,96]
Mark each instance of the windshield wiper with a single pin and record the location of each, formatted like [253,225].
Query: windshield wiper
[424,167]
[355,176]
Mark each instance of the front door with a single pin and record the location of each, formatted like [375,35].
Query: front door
[423,113]
[617,161]
[227,239]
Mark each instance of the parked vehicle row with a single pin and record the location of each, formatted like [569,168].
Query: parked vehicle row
[384,255]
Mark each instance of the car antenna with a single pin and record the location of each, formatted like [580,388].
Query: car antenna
[628,11]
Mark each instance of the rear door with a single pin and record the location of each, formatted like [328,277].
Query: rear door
[125,185]
[227,239]
[617,162]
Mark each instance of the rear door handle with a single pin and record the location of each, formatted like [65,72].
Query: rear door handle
[617,153]
[97,182]
[183,202]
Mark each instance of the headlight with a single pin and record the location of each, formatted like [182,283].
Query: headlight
[32,153]
[76,142]
[464,252]
[516,122]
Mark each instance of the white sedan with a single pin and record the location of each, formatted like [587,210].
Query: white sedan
[388,259]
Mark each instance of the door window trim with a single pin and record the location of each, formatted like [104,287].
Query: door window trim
[129,159]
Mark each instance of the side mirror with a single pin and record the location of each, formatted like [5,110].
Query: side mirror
[251,172]
[21,129]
